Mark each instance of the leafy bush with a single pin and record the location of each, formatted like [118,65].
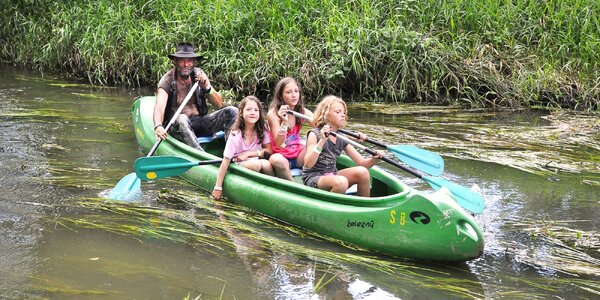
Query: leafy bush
[474,53]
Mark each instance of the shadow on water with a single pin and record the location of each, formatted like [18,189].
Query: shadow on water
[64,144]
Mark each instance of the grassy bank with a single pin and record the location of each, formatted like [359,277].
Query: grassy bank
[474,53]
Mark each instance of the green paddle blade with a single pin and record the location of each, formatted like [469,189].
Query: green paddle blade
[156,167]
[127,189]
[421,159]
[465,197]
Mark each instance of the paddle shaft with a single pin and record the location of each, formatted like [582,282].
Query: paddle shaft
[350,133]
[372,152]
[356,135]
[359,146]
[185,101]
[422,160]
[129,185]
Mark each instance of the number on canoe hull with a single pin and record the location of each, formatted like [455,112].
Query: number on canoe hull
[400,219]
[415,216]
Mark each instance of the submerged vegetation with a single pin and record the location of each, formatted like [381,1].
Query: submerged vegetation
[472,53]
[225,229]
[555,246]
[546,144]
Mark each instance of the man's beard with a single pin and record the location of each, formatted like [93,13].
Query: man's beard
[184,71]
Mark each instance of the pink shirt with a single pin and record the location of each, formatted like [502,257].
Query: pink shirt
[236,144]
[292,145]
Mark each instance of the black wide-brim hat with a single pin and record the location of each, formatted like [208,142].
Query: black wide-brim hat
[185,50]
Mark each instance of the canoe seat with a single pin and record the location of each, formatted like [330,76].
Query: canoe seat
[297,176]
[296,172]
[352,190]
[208,139]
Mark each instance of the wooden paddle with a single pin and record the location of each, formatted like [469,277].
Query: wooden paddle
[129,187]
[156,167]
[465,197]
[420,159]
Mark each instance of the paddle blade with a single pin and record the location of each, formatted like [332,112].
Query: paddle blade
[127,189]
[465,197]
[156,167]
[421,159]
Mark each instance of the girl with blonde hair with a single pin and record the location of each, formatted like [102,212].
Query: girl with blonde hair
[323,149]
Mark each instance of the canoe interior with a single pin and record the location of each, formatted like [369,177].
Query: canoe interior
[382,184]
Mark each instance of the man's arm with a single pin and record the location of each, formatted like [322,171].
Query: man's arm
[213,96]
[159,113]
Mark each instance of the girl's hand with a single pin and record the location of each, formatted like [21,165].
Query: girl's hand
[362,137]
[379,154]
[282,112]
[244,156]
[241,157]
[216,194]
[325,131]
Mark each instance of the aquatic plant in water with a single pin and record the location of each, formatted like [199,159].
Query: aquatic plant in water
[555,246]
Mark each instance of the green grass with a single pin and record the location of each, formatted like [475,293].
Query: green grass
[503,53]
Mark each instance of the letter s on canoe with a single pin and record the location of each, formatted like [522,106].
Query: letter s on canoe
[401,220]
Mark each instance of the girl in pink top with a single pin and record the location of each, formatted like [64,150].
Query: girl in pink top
[284,131]
[247,144]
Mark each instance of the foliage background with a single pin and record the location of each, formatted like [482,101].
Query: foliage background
[495,53]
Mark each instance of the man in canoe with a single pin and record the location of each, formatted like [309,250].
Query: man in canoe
[194,119]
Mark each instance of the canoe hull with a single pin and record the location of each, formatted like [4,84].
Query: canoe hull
[402,221]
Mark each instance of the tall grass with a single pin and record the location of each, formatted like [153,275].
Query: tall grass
[506,53]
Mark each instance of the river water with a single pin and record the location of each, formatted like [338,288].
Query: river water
[65,145]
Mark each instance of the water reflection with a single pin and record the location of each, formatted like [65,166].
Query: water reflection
[286,267]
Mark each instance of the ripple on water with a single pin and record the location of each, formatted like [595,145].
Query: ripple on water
[19,240]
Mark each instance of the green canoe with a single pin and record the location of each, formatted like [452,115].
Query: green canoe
[397,220]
